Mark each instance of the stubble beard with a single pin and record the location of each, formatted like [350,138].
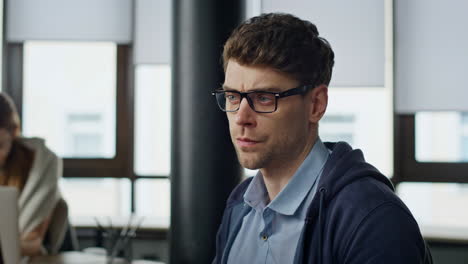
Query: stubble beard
[254,160]
[284,150]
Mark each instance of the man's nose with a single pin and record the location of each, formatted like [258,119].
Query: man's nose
[245,116]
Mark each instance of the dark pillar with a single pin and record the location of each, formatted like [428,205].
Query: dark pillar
[13,74]
[204,165]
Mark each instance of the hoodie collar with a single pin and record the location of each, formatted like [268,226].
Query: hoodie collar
[344,166]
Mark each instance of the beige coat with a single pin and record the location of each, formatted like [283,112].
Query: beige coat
[41,197]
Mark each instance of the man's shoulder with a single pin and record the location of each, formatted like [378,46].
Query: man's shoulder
[376,212]
[362,197]
[368,187]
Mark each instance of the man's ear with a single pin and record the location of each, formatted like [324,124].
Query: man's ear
[319,100]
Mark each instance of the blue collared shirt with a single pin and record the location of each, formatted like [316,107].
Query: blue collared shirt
[270,232]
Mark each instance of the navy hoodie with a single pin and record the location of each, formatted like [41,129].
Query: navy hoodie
[354,218]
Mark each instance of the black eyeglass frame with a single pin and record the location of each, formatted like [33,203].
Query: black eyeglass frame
[302,89]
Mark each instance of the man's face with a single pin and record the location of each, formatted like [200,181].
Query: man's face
[263,139]
[6,140]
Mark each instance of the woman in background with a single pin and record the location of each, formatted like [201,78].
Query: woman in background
[27,164]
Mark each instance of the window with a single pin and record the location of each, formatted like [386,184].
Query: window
[436,204]
[75,96]
[69,97]
[152,119]
[78,96]
[89,198]
[433,152]
[361,117]
[430,147]
[336,127]
[85,135]
[153,199]
[441,136]
[152,142]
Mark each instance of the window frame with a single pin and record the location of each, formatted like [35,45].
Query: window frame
[408,169]
[122,164]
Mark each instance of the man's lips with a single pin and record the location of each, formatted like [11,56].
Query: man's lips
[246,142]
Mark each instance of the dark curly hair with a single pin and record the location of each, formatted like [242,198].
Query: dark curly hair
[285,43]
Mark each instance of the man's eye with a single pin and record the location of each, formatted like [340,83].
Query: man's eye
[265,98]
[231,97]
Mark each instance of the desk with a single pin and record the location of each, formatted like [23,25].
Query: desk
[153,223]
[82,258]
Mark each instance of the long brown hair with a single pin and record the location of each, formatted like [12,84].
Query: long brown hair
[20,158]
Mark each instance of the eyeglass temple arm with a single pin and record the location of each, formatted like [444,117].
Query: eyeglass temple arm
[299,90]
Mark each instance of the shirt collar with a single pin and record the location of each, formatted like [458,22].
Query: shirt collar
[256,195]
[290,198]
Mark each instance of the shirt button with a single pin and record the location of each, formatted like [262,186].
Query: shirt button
[265,238]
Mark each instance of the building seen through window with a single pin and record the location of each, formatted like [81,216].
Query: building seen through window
[441,137]
[85,135]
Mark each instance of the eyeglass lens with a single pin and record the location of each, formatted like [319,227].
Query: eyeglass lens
[259,101]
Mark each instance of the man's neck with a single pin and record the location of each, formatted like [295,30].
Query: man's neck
[278,174]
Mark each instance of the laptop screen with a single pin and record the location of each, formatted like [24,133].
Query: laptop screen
[9,234]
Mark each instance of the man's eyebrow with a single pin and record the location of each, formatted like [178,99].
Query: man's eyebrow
[263,89]
[227,88]
[267,89]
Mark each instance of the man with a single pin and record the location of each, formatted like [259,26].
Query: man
[311,202]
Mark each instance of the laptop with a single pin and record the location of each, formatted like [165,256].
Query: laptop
[9,234]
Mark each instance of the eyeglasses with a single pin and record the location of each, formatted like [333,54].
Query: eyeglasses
[259,101]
